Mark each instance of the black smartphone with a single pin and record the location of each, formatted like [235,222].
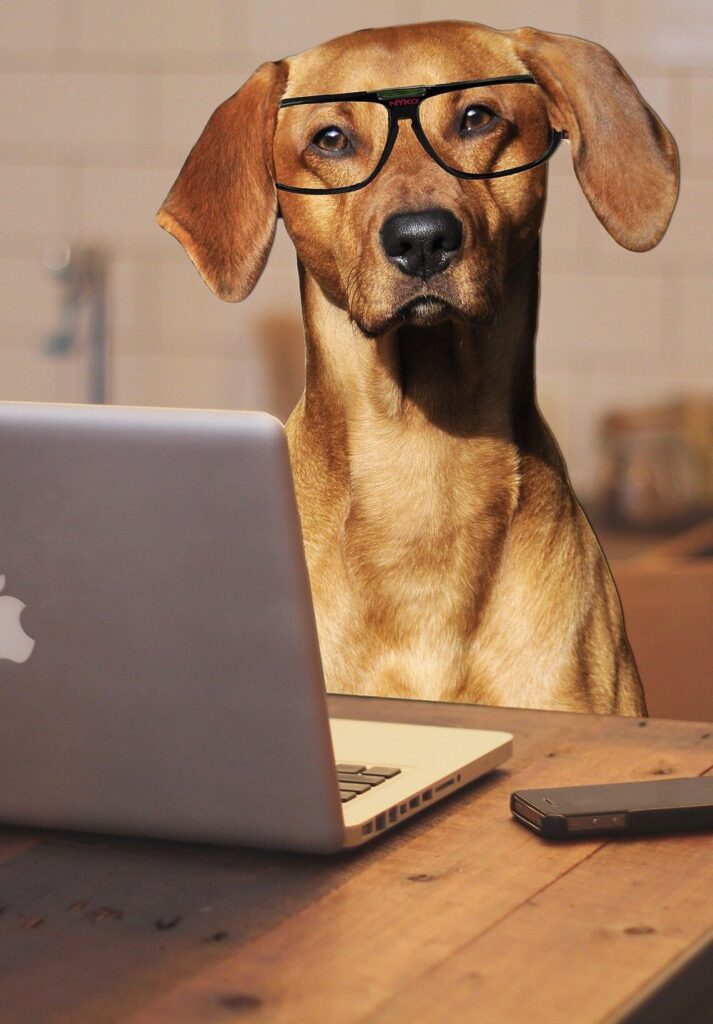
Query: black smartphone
[619,808]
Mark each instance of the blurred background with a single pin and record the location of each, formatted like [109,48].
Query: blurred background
[100,104]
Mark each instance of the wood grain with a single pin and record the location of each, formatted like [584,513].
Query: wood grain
[613,922]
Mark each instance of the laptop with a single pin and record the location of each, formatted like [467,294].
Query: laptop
[160,671]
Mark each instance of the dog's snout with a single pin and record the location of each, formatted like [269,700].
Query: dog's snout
[423,243]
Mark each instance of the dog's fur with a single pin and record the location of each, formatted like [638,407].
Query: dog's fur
[448,555]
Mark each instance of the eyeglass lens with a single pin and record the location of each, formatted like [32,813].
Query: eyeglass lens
[478,130]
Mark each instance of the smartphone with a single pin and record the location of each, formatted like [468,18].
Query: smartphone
[619,808]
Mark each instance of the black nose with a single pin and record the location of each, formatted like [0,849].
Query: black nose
[422,244]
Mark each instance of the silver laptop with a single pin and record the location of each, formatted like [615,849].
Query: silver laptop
[159,665]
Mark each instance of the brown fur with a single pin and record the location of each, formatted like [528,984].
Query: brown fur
[449,557]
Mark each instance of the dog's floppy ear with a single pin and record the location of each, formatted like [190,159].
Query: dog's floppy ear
[625,159]
[222,207]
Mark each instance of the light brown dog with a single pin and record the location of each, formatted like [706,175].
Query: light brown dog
[448,555]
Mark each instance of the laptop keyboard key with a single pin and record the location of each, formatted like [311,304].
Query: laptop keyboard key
[346,795]
[350,767]
[387,773]
[353,787]
[363,778]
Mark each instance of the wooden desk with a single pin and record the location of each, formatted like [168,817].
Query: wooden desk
[460,915]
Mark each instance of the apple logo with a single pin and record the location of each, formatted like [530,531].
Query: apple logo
[15,644]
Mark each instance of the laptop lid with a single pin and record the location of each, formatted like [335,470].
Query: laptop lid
[174,685]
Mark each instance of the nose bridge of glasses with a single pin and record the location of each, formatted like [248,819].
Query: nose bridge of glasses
[403,110]
[402,104]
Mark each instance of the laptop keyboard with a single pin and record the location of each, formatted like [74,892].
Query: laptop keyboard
[355,779]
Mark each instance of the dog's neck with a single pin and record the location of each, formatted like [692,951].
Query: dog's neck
[468,380]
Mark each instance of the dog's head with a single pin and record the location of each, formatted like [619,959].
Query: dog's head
[417,243]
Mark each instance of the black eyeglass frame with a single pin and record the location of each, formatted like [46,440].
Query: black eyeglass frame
[398,111]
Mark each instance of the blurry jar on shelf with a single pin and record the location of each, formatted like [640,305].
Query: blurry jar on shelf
[652,474]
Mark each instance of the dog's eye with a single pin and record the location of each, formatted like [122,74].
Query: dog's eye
[476,118]
[331,139]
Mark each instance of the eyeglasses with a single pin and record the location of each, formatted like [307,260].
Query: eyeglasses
[487,128]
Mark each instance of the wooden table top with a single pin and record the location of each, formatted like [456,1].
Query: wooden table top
[459,915]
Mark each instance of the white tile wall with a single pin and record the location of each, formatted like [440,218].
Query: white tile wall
[592,322]
[226,328]
[690,235]
[29,305]
[555,16]
[30,25]
[32,203]
[69,116]
[700,141]
[120,205]
[37,377]
[161,27]
[690,346]
[100,103]
[196,381]
[134,314]
[663,33]
[274,29]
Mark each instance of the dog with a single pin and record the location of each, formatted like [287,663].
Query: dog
[448,555]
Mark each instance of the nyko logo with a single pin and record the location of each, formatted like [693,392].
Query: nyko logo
[403,101]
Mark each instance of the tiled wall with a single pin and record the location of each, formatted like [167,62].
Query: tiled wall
[100,103]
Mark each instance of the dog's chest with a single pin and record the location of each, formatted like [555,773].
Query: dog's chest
[401,577]
[427,502]
[422,542]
